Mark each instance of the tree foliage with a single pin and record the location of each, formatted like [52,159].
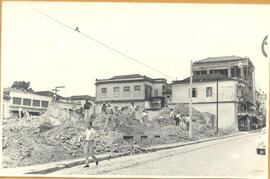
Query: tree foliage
[22,85]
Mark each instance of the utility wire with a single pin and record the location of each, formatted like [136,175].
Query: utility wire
[104,45]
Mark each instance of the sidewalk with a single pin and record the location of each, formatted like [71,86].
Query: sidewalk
[54,166]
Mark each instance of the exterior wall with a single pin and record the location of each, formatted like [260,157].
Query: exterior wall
[5,108]
[110,94]
[227,91]
[227,113]
[158,87]
[29,108]
[228,100]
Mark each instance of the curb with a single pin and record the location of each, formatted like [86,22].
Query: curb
[153,149]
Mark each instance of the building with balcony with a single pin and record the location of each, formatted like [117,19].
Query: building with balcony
[32,103]
[260,106]
[145,92]
[235,67]
[236,78]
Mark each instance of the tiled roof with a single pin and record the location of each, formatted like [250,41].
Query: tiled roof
[219,59]
[81,97]
[205,78]
[49,94]
[127,76]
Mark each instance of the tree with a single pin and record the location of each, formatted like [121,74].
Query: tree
[22,85]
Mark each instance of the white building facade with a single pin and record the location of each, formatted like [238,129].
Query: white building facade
[29,102]
[205,98]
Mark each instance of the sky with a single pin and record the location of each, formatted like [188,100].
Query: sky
[164,36]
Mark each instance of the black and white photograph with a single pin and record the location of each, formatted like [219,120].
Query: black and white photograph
[133,89]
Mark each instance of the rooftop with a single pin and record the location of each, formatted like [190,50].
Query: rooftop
[206,78]
[49,94]
[130,77]
[220,59]
[81,97]
[127,76]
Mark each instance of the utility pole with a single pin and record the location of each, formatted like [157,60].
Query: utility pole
[217,108]
[190,103]
[56,89]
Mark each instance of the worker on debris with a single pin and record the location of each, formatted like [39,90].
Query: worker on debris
[20,113]
[89,138]
[86,109]
[109,116]
[103,108]
[187,120]
[144,117]
[133,111]
[172,115]
[177,119]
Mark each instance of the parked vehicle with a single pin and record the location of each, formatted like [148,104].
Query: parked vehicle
[261,142]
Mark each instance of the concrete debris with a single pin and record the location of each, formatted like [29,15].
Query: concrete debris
[55,135]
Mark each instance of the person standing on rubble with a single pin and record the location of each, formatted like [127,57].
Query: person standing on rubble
[109,116]
[172,115]
[103,108]
[187,119]
[133,111]
[144,117]
[20,113]
[89,137]
[177,119]
[86,109]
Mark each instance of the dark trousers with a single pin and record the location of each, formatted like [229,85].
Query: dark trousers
[177,122]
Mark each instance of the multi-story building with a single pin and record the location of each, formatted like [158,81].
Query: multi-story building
[205,98]
[260,105]
[236,77]
[32,103]
[145,92]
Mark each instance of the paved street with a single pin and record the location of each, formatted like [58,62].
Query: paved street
[226,157]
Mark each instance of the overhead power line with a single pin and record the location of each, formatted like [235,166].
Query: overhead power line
[103,44]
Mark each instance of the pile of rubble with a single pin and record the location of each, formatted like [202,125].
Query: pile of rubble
[52,137]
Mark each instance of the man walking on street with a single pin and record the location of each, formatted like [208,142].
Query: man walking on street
[89,144]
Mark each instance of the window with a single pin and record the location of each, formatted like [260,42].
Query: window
[137,90]
[45,104]
[103,92]
[116,91]
[209,91]
[126,91]
[194,92]
[27,102]
[17,100]
[36,103]
[126,88]
[156,92]
[200,72]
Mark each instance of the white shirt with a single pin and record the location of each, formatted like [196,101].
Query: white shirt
[90,134]
[172,114]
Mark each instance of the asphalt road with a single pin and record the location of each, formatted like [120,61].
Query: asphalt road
[234,157]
